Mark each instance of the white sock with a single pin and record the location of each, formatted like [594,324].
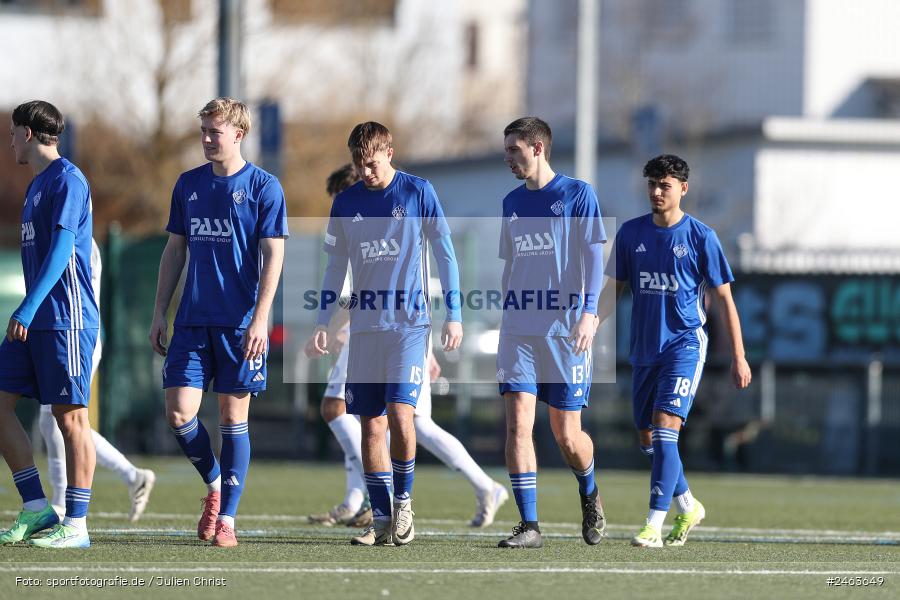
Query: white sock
[348,432]
[656,518]
[215,485]
[228,520]
[109,456]
[56,454]
[35,505]
[451,452]
[79,522]
[685,502]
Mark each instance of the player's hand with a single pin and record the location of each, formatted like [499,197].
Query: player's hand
[16,331]
[582,335]
[451,335]
[317,344]
[158,338]
[255,340]
[740,373]
[434,368]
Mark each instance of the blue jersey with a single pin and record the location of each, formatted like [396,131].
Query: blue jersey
[545,234]
[384,234]
[224,219]
[60,197]
[668,270]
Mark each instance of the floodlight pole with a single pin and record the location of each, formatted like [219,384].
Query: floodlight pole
[230,81]
[586,91]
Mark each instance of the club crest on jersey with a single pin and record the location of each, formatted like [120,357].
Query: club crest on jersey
[399,212]
[501,376]
[348,396]
[239,196]
[558,207]
[680,250]
[36,199]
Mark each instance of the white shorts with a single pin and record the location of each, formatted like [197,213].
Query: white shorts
[337,378]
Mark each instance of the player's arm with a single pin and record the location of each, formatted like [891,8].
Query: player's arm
[332,283]
[170,267]
[448,271]
[61,245]
[257,333]
[740,370]
[582,335]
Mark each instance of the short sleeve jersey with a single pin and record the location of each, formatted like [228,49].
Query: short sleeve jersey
[224,219]
[545,234]
[384,234]
[60,197]
[668,270]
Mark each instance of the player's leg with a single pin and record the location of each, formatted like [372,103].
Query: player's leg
[377,470]
[56,457]
[489,494]
[566,385]
[643,394]
[405,353]
[235,462]
[517,382]
[36,513]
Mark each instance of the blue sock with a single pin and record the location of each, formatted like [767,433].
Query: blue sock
[585,479]
[666,467]
[28,482]
[404,474]
[379,486]
[681,486]
[235,459]
[524,487]
[194,442]
[77,500]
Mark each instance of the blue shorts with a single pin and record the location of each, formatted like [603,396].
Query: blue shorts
[546,367]
[52,366]
[198,355]
[385,366]
[668,388]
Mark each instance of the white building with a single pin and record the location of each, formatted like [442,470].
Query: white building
[442,69]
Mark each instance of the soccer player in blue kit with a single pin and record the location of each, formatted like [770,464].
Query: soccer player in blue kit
[551,239]
[383,226]
[669,259]
[50,338]
[232,217]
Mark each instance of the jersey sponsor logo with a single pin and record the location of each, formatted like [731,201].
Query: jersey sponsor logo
[399,212]
[211,228]
[640,248]
[27,233]
[192,197]
[36,199]
[558,207]
[680,251]
[658,282]
[379,249]
[536,244]
[239,196]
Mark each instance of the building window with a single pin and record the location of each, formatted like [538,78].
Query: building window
[333,12]
[472,35]
[750,21]
[90,8]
